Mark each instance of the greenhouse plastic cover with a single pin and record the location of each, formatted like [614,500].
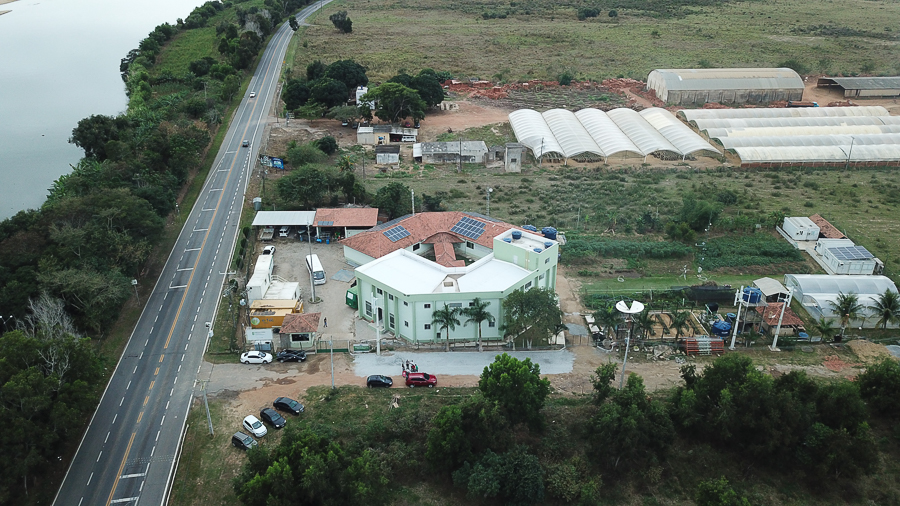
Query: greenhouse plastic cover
[679,134]
[605,134]
[825,284]
[718,133]
[783,112]
[705,124]
[819,154]
[810,140]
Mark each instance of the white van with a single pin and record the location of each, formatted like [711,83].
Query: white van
[314,266]
[284,231]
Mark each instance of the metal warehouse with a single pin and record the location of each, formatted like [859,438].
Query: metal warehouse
[731,86]
[863,86]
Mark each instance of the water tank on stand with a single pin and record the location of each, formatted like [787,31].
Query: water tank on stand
[751,295]
[721,329]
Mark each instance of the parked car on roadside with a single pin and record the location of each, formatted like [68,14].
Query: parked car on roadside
[378,380]
[272,417]
[268,250]
[420,379]
[288,404]
[242,441]
[255,357]
[254,426]
[290,356]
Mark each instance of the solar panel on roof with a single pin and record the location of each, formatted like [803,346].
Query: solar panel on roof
[396,233]
[326,224]
[469,228]
[850,253]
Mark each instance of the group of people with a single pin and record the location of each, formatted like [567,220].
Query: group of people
[410,366]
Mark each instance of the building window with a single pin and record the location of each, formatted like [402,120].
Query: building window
[546,260]
[470,245]
[471,304]
[299,338]
[448,284]
[528,285]
[368,308]
[427,306]
[492,323]
[405,323]
[378,291]
[541,276]
[427,326]
[455,304]
[405,303]
[392,320]
[416,247]
[390,296]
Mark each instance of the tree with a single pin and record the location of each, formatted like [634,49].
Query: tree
[517,388]
[608,317]
[394,199]
[341,21]
[531,314]
[631,430]
[516,477]
[428,85]
[305,185]
[304,154]
[602,382]
[349,72]
[292,21]
[887,308]
[718,493]
[644,322]
[680,321]
[230,86]
[879,386]
[327,144]
[477,313]
[448,444]
[344,113]
[446,319]
[315,70]
[394,102]
[295,94]
[92,134]
[328,92]
[848,308]
[824,327]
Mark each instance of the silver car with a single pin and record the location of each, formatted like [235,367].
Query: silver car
[254,426]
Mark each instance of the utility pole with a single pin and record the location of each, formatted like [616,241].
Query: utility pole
[312,282]
[489,190]
[622,307]
[774,346]
[412,197]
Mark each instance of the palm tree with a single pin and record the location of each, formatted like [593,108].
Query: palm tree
[644,321]
[446,318]
[825,328]
[887,308]
[848,307]
[680,321]
[477,313]
[608,317]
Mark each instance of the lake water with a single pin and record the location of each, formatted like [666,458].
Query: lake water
[59,63]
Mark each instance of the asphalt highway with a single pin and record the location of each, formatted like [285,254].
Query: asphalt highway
[129,451]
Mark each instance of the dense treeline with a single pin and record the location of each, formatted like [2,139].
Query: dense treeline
[66,268]
[506,444]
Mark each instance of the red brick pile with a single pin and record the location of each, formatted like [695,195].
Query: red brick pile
[624,83]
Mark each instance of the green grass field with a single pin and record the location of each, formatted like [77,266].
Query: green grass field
[846,36]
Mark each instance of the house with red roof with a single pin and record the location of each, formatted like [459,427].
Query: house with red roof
[414,265]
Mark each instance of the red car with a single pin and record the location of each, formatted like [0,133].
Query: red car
[420,379]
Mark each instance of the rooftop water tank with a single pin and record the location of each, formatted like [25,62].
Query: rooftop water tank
[531,228]
[721,328]
[730,316]
[549,233]
[751,295]
[537,250]
[547,244]
[516,235]
[507,239]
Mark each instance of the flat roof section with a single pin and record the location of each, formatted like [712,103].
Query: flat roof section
[283,218]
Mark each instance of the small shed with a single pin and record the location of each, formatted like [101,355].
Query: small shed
[826,229]
[772,290]
[300,331]
[385,134]
[800,228]
[260,339]
[495,153]
[791,324]
[270,313]
[454,152]
[345,221]
[725,85]
[387,155]
[513,156]
[862,87]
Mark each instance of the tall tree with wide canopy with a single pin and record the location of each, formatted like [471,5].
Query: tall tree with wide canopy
[446,319]
[517,387]
[349,72]
[394,199]
[848,308]
[887,308]
[531,314]
[393,102]
[328,92]
[477,313]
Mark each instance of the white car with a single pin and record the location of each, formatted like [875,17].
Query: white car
[256,357]
[269,250]
[252,94]
[254,426]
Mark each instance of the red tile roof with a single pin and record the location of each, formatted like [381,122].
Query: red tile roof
[771,313]
[300,323]
[423,227]
[360,217]
[826,229]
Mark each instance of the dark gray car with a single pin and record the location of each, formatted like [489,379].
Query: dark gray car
[242,441]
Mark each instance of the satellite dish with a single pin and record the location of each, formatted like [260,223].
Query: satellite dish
[636,307]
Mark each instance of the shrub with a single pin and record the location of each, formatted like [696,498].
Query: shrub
[879,386]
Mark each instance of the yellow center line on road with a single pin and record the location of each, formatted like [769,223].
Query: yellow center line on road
[156,373]
[121,467]
[161,357]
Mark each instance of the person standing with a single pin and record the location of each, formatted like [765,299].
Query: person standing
[326,323]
